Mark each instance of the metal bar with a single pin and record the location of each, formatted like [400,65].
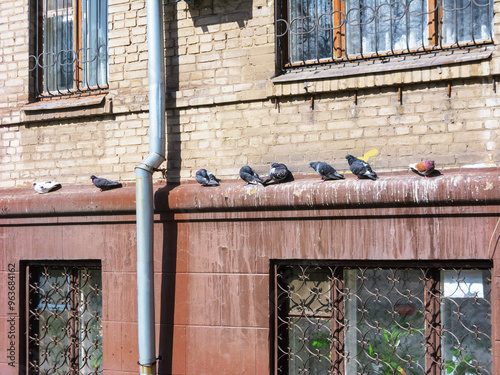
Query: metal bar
[45,86]
[57,67]
[77,44]
[276,322]
[98,28]
[73,339]
[337,325]
[432,322]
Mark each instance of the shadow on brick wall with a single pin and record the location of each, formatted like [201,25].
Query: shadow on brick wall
[215,12]
[173,164]
[167,346]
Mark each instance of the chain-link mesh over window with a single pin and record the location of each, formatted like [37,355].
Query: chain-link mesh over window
[321,31]
[382,321]
[64,320]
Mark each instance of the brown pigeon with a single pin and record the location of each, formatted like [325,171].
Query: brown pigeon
[424,168]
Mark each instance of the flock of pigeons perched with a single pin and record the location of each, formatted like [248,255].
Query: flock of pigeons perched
[101,183]
[279,173]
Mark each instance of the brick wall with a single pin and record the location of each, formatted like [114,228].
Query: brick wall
[224,111]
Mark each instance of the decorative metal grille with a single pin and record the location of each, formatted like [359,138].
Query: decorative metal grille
[375,321]
[65,320]
[69,50]
[319,31]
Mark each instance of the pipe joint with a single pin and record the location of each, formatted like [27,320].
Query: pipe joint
[151,162]
[149,369]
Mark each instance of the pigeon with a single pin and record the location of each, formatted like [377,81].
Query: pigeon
[104,184]
[45,187]
[278,173]
[248,175]
[326,171]
[424,168]
[360,168]
[206,178]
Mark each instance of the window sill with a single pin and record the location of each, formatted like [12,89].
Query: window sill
[46,110]
[365,74]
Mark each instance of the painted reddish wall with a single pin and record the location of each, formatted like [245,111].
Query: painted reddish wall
[213,247]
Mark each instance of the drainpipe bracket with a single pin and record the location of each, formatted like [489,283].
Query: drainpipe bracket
[151,162]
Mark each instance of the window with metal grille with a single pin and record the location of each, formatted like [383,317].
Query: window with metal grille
[64,319]
[322,31]
[69,50]
[379,321]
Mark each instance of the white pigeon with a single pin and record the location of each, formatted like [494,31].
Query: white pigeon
[45,187]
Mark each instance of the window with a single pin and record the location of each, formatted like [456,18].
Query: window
[319,31]
[69,53]
[64,319]
[381,321]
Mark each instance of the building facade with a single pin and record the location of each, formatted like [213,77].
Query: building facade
[396,275]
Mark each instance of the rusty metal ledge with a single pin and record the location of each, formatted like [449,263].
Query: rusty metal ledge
[453,188]
[456,187]
[69,200]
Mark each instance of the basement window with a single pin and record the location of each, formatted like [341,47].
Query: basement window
[374,321]
[64,319]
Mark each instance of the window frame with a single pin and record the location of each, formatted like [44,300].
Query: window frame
[26,269]
[38,89]
[338,52]
[433,329]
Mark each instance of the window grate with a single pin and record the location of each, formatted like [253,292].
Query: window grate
[329,31]
[69,50]
[379,321]
[65,320]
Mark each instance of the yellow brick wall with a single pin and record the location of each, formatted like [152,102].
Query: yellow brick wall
[223,110]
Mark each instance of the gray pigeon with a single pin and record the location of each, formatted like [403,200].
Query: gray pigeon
[360,168]
[278,173]
[206,178]
[104,184]
[45,187]
[248,175]
[326,171]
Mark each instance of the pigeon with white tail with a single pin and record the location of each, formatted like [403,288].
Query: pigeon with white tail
[206,178]
[278,173]
[360,168]
[45,187]
[248,175]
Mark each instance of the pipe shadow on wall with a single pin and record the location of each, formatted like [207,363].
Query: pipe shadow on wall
[203,13]
[173,165]
[167,295]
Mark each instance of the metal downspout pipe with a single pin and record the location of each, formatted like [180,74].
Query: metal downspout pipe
[144,188]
